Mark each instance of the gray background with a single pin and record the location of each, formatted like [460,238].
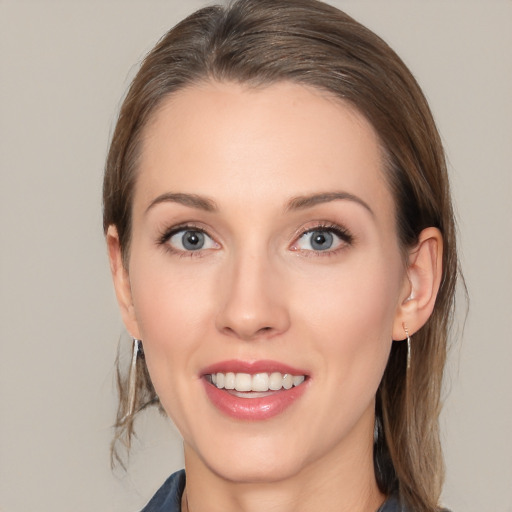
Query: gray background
[64,67]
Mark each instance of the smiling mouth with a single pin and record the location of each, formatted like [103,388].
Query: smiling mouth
[254,391]
[246,385]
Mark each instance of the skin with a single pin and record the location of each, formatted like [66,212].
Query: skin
[258,290]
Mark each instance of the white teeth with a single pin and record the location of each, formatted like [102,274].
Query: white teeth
[229,381]
[258,382]
[299,379]
[287,381]
[243,382]
[275,381]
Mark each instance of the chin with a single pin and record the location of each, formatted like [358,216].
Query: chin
[253,459]
[256,471]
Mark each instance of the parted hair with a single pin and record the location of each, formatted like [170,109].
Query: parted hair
[261,42]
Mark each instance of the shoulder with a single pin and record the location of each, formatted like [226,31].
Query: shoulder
[392,504]
[168,497]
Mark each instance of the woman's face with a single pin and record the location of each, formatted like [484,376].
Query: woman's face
[264,244]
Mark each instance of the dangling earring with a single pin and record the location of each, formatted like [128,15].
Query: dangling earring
[408,347]
[377,430]
[132,377]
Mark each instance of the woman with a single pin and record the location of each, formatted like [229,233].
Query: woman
[277,212]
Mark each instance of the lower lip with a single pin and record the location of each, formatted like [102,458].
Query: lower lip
[253,409]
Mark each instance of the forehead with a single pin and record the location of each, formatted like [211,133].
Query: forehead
[285,138]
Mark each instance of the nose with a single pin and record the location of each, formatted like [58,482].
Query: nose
[252,301]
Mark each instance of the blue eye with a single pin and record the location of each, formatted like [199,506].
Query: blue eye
[322,239]
[190,240]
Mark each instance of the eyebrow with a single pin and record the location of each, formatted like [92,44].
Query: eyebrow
[191,200]
[296,203]
[303,202]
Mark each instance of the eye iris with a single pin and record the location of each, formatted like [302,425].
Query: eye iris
[321,240]
[192,240]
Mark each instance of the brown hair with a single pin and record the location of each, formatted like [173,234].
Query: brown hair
[260,42]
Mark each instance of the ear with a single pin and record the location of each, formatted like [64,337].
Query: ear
[421,285]
[121,282]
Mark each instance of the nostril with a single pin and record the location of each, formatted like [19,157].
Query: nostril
[264,330]
[250,334]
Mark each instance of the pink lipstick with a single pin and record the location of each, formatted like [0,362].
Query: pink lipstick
[253,391]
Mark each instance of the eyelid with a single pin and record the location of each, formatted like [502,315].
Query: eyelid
[168,233]
[343,234]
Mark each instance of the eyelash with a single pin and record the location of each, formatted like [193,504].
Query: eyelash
[346,238]
[342,233]
[164,238]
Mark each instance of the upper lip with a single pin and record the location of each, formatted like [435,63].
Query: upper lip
[251,367]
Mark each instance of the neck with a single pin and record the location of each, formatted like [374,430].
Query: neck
[340,482]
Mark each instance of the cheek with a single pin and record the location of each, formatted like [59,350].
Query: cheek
[350,315]
[360,296]
[171,307]
[169,300]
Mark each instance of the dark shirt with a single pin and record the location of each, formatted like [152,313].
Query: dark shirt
[168,497]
